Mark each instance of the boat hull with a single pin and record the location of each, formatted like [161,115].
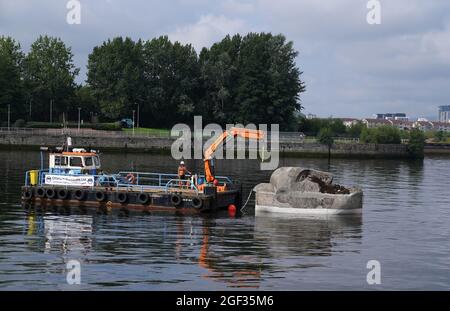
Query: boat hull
[186,201]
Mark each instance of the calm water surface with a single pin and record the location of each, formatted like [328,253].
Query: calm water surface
[404,225]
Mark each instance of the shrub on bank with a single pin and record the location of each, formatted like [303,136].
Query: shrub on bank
[381,135]
[19,123]
[43,125]
[114,126]
[416,143]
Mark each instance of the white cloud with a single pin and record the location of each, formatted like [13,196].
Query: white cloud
[207,30]
[237,7]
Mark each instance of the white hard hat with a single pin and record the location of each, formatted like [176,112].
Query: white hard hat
[182,162]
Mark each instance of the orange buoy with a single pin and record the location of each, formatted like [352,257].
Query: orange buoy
[232,210]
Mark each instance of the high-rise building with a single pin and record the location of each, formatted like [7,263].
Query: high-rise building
[444,113]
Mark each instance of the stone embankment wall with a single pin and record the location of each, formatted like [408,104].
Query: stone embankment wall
[163,144]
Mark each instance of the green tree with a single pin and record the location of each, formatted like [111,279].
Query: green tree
[49,76]
[11,87]
[439,136]
[325,137]
[269,85]
[252,79]
[171,73]
[219,67]
[313,126]
[416,143]
[356,129]
[84,99]
[388,135]
[337,126]
[380,135]
[115,77]
[368,136]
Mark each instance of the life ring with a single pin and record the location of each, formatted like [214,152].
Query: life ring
[176,200]
[131,178]
[122,197]
[100,196]
[40,192]
[79,194]
[142,198]
[197,203]
[50,193]
[63,194]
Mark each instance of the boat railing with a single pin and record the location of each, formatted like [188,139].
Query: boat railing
[142,181]
[161,179]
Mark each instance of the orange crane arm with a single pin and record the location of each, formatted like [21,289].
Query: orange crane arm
[228,134]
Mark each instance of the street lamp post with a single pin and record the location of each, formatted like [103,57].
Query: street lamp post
[51,110]
[9,116]
[31,101]
[79,119]
[138,115]
[133,122]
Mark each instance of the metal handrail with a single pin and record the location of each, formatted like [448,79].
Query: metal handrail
[114,182]
[178,183]
[171,176]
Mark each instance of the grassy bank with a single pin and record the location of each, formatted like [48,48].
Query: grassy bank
[147,131]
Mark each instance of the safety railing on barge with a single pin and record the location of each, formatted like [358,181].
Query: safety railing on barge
[140,181]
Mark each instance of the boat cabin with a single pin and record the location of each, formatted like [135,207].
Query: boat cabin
[77,161]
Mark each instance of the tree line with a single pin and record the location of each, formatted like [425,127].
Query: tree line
[241,79]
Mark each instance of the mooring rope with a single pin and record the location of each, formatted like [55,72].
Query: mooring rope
[251,192]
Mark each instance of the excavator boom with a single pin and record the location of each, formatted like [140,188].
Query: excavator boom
[228,134]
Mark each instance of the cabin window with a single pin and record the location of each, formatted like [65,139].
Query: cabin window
[76,161]
[96,161]
[88,161]
[60,161]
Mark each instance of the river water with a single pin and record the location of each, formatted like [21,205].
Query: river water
[405,226]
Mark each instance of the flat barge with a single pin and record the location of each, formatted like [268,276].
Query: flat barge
[74,178]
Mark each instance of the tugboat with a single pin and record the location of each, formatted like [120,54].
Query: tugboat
[75,177]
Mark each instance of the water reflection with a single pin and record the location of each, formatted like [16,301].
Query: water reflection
[239,253]
[287,236]
[226,261]
[59,233]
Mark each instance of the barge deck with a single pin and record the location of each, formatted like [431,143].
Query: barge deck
[148,192]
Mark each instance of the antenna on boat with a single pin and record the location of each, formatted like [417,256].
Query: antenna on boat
[69,143]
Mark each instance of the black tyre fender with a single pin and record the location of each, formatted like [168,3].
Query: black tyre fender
[63,194]
[176,200]
[79,194]
[197,203]
[100,196]
[27,194]
[142,198]
[122,197]
[50,193]
[40,192]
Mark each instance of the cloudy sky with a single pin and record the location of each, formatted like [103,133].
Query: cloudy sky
[350,68]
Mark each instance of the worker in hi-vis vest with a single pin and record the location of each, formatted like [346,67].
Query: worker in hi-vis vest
[182,170]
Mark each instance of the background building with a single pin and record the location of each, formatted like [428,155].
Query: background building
[444,113]
[391,116]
